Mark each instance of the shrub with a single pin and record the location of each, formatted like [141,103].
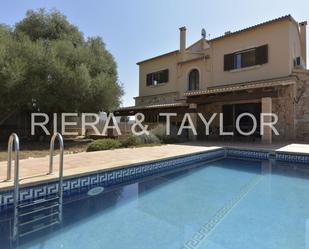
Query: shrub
[160,132]
[130,141]
[148,139]
[104,144]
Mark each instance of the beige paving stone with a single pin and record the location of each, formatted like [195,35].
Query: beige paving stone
[296,148]
[35,169]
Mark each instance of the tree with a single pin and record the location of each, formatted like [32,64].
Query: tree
[47,65]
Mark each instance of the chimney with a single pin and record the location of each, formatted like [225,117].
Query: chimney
[302,30]
[182,39]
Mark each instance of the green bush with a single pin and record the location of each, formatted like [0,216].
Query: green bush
[148,139]
[104,144]
[160,132]
[130,141]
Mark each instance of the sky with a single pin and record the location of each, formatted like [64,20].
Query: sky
[135,30]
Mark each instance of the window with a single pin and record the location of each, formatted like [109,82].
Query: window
[157,78]
[194,80]
[246,58]
[237,60]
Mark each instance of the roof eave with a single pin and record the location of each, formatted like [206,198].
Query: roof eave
[244,86]
[279,19]
[157,57]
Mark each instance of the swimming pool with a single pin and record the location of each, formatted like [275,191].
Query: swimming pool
[226,203]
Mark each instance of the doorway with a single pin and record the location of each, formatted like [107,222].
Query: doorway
[232,111]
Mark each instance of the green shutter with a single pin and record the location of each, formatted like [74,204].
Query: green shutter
[165,75]
[228,62]
[261,54]
[149,79]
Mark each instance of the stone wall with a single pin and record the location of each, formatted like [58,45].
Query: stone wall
[167,98]
[283,106]
[301,102]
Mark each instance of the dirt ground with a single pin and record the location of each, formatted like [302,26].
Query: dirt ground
[41,149]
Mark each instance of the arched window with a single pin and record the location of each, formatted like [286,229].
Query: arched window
[194,80]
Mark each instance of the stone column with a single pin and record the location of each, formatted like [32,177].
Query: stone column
[302,29]
[193,116]
[267,108]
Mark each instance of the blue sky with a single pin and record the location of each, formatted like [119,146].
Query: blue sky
[138,29]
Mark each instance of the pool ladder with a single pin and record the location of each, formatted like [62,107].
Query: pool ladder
[35,215]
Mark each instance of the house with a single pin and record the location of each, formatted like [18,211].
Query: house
[261,68]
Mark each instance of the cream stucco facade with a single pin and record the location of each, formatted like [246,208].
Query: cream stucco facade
[282,35]
[254,65]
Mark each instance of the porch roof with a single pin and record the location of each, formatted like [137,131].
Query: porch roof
[244,86]
[131,110]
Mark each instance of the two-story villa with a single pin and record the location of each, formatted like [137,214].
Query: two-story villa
[258,69]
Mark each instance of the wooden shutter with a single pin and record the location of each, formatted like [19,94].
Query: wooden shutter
[165,75]
[261,54]
[228,62]
[149,79]
[248,58]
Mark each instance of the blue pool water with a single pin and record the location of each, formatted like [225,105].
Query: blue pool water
[225,204]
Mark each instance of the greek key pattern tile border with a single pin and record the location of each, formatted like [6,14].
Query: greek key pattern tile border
[261,155]
[107,178]
[292,158]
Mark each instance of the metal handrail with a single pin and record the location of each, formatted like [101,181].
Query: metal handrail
[51,169]
[51,151]
[13,139]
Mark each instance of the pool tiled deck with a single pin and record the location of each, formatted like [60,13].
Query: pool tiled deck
[33,170]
